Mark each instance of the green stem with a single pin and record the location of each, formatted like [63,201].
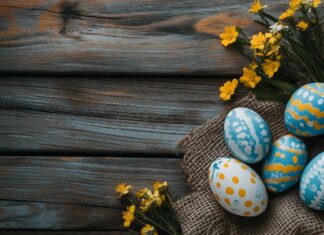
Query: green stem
[153,222]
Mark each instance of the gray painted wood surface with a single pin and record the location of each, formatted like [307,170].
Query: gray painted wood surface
[76,192]
[151,37]
[110,115]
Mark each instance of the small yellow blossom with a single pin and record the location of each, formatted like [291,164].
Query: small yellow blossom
[123,189]
[302,25]
[141,192]
[158,198]
[270,67]
[258,41]
[228,89]
[256,7]
[229,36]
[274,49]
[149,198]
[249,78]
[128,216]
[274,38]
[160,185]
[316,3]
[295,4]
[253,66]
[148,230]
[288,13]
[146,204]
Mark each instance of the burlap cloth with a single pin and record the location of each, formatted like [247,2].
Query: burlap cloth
[199,213]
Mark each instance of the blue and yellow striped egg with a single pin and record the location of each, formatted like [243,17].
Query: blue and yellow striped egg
[285,163]
[247,135]
[312,183]
[304,114]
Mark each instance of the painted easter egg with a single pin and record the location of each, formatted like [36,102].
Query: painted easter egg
[312,183]
[285,163]
[247,135]
[237,187]
[304,114]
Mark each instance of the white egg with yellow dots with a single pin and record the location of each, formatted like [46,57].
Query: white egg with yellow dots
[237,187]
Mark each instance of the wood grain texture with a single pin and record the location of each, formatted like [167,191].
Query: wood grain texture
[75,192]
[129,36]
[73,232]
[115,115]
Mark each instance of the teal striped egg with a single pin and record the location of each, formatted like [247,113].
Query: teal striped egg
[285,163]
[247,135]
[304,114]
[312,183]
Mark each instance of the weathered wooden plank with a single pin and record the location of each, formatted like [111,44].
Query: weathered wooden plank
[73,232]
[75,192]
[109,115]
[37,215]
[121,36]
[83,180]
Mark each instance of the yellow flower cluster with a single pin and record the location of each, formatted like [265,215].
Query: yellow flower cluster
[266,47]
[295,5]
[148,198]
[148,206]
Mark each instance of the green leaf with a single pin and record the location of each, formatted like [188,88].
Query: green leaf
[287,87]
[270,96]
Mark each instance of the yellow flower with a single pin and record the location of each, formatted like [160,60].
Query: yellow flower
[160,185]
[229,36]
[270,67]
[146,204]
[295,4]
[123,189]
[148,230]
[141,192]
[316,3]
[302,25]
[228,89]
[288,13]
[249,78]
[149,198]
[258,41]
[256,7]
[274,49]
[128,216]
[253,65]
[274,38]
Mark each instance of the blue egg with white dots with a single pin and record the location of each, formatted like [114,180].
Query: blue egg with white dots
[247,135]
[312,183]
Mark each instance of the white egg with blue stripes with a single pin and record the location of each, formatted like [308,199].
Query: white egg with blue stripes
[247,135]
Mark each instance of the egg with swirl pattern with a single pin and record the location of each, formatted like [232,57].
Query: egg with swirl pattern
[285,163]
[247,135]
[304,114]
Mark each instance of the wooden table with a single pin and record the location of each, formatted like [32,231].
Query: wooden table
[96,92]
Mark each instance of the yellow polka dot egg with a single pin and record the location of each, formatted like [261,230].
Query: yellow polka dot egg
[237,187]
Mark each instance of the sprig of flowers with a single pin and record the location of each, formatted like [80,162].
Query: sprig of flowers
[286,56]
[148,211]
